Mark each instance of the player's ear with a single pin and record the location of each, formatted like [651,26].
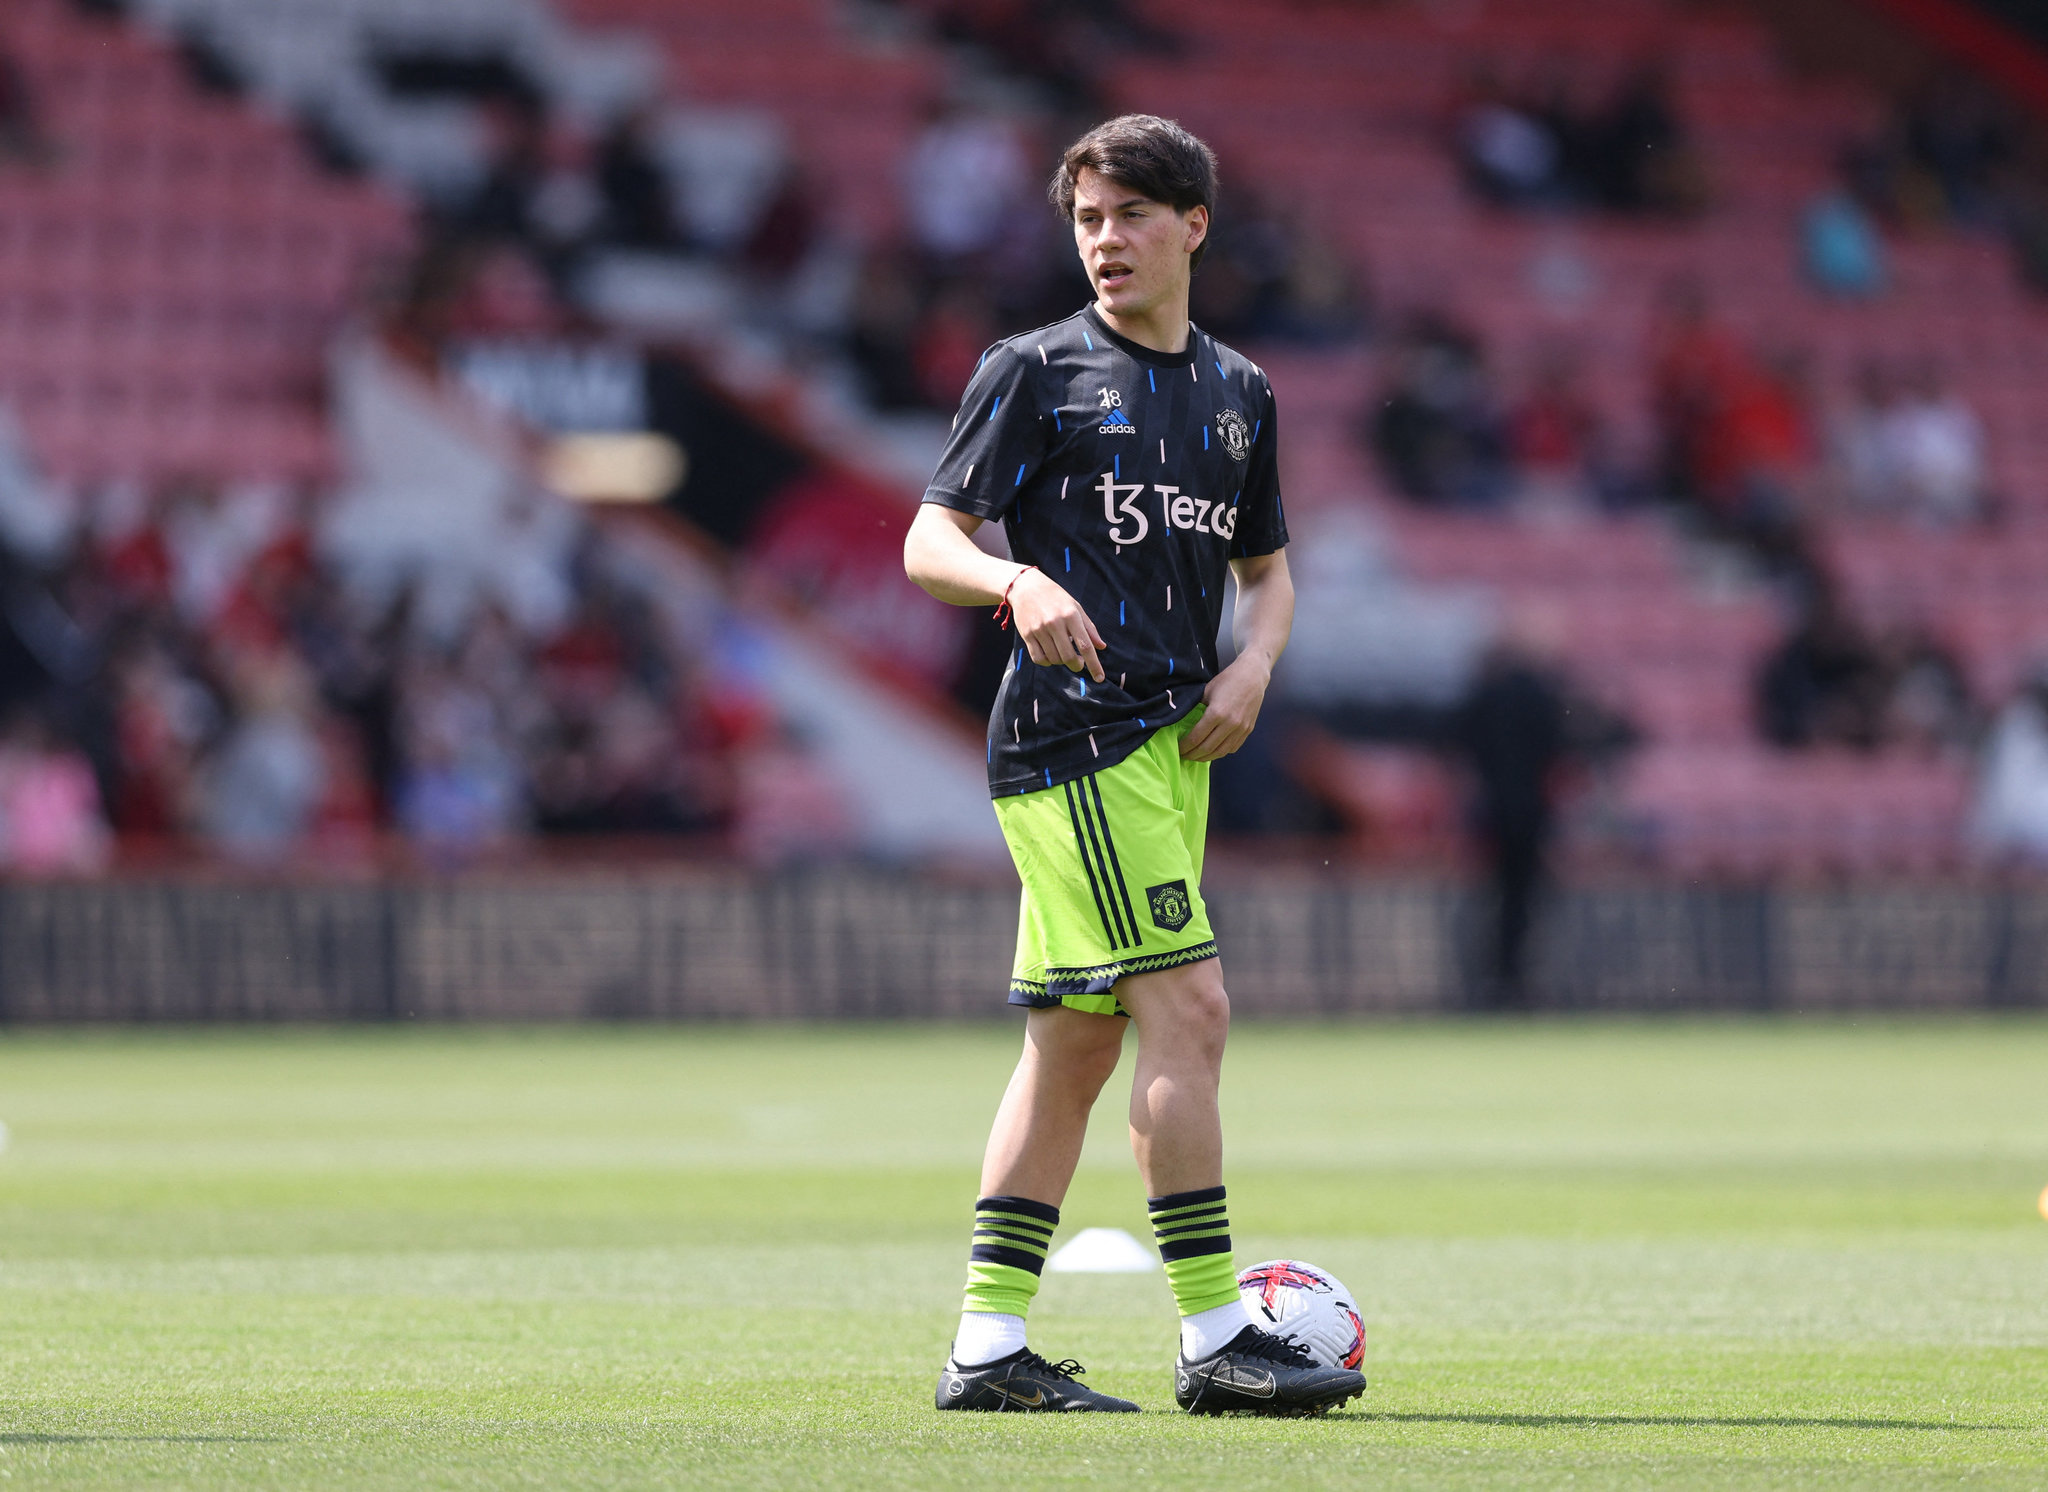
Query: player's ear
[1198,227]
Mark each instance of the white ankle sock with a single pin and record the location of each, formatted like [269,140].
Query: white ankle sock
[985,1336]
[1205,1331]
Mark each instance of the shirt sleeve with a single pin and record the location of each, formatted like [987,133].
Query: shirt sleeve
[998,439]
[1261,526]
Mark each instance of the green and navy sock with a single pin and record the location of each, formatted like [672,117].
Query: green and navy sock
[1193,1229]
[1011,1236]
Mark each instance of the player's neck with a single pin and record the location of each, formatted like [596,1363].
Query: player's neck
[1163,329]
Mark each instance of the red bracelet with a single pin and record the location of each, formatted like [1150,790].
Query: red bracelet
[1003,607]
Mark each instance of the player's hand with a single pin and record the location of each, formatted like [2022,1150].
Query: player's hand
[1054,627]
[1230,710]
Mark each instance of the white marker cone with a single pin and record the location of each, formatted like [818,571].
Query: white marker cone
[1103,1251]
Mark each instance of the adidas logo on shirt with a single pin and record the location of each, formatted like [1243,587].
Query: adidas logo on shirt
[1117,424]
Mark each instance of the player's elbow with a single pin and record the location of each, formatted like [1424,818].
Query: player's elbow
[917,557]
[934,549]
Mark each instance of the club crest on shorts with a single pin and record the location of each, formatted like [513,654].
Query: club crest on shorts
[1171,907]
[1235,434]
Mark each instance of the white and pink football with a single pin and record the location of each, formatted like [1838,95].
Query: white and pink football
[1290,1298]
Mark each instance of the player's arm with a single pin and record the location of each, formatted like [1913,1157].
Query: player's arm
[1264,618]
[940,554]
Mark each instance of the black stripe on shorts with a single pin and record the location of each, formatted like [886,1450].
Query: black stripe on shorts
[1088,864]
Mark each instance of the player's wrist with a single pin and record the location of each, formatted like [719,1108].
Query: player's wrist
[1005,605]
[1254,668]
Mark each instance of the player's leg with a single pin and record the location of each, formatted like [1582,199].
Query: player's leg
[1036,1140]
[1182,1013]
[1070,1049]
[1033,1148]
[1227,1363]
[1183,1019]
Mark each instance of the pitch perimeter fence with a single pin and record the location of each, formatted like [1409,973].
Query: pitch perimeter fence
[872,945]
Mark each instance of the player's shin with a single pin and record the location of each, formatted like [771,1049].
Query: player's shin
[1011,1236]
[1193,1229]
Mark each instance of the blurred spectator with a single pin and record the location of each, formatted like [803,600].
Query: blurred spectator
[1825,684]
[1857,443]
[1928,709]
[500,205]
[453,651]
[2026,221]
[965,183]
[1265,279]
[1323,301]
[1507,150]
[1840,247]
[1957,129]
[881,340]
[638,206]
[1934,450]
[458,779]
[950,338]
[1437,429]
[262,787]
[1906,447]
[1511,730]
[1243,278]
[566,211]
[1735,444]
[787,230]
[1952,153]
[2011,813]
[21,130]
[1641,161]
[164,714]
[1558,441]
[1542,146]
[50,817]
[1058,46]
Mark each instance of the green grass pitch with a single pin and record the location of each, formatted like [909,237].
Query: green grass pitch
[1744,1254]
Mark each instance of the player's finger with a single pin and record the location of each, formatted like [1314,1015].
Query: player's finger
[1094,636]
[1086,648]
[1035,649]
[1224,739]
[1228,745]
[1197,739]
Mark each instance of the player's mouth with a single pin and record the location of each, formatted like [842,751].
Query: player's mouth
[1112,274]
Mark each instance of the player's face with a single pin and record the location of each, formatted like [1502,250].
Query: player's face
[1134,249]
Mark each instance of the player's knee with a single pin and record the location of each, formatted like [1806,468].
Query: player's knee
[1205,1017]
[1084,1049]
[1094,1069]
[1196,1021]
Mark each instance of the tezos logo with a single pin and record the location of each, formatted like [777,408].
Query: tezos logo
[1235,434]
[1171,908]
[1176,510]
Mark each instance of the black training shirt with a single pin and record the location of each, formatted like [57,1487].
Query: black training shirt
[1132,478]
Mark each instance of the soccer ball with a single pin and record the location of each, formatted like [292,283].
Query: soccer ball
[1311,1305]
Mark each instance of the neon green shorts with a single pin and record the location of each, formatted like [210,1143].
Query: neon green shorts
[1112,872]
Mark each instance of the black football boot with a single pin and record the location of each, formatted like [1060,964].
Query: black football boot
[1024,1381]
[1256,1372]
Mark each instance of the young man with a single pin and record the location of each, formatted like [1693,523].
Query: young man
[1129,457]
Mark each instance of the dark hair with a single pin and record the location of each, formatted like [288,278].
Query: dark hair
[1154,157]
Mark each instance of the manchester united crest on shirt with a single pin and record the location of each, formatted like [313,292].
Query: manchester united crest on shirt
[1235,434]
